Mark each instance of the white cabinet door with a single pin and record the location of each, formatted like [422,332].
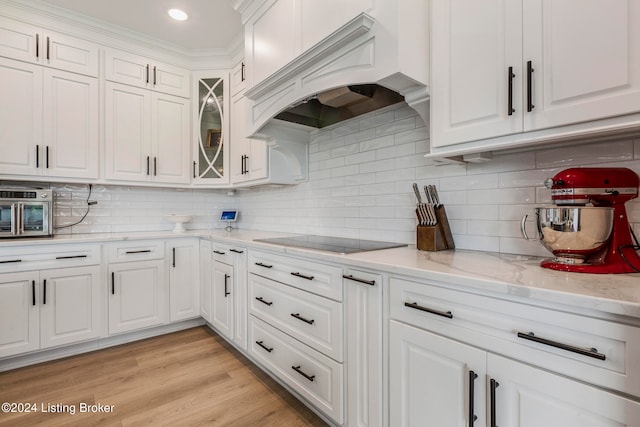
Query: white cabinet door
[28,43]
[530,397]
[19,313]
[222,297]
[586,60]
[127,133]
[135,70]
[363,327]
[474,45]
[431,380]
[70,305]
[20,117]
[170,136]
[71,125]
[249,157]
[206,279]
[184,284]
[136,295]
[273,41]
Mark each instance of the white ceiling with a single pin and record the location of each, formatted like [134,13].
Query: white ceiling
[212,24]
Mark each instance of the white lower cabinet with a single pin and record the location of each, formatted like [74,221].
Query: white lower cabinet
[432,380]
[48,308]
[206,279]
[137,293]
[184,284]
[222,297]
[459,359]
[529,397]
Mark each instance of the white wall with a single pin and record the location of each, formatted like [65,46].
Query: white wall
[359,185]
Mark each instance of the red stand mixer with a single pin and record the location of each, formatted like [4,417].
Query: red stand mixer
[587,229]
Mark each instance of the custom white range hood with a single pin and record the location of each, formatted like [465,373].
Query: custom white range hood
[377,58]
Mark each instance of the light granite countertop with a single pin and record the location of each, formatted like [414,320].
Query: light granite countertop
[507,276]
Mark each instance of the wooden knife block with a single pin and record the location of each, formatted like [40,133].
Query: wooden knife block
[435,237]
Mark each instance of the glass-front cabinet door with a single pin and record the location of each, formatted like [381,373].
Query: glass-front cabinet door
[211,128]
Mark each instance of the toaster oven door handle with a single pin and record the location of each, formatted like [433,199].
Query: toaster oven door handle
[14,219]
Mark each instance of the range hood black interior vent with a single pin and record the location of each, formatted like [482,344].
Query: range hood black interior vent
[336,105]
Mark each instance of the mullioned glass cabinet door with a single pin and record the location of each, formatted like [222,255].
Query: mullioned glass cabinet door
[211,130]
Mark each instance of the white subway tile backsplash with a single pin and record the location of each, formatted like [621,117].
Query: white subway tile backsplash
[359,186]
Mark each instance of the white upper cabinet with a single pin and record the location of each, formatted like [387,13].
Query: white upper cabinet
[29,43]
[135,70]
[503,68]
[49,103]
[147,135]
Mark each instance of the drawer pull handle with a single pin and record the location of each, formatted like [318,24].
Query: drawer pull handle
[298,370]
[301,275]
[472,416]
[144,251]
[71,256]
[261,344]
[236,251]
[416,306]
[493,384]
[590,352]
[11,260]
[219,252]
[355,279]
[297,316]
[259,264]
[264,302]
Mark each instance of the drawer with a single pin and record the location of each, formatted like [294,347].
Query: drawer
[598,351]
[314,320]
[225,253]
[320,279]
[36,257]
[136,250]
[314,376]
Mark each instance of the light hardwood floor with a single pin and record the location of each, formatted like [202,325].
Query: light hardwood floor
[187,378]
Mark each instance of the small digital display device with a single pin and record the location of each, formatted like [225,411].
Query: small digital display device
[228,215]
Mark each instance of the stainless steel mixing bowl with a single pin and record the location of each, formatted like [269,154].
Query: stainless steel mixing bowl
[573,232]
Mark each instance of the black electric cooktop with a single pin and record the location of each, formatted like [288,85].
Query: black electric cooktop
[339,245]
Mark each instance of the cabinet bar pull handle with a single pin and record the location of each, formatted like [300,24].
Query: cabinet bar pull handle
[173,263]
[226,279]
[138,252]
[46,156]
[298,370]
[236,251]
[155,166]
[219,252]
[415,305]
[48,48]
[44,291]
[194,168]
[264,302]
[113,283]
[510,77]
[530,71]
[246,164]
[71,256]
[147,73]
[33,292]
[590,352]
[147,165]
[242,165]
[37,45]
[154,75]
[297,316]
[10,261]
[261,344]
[472,379]
[37,156]
[259,264]
[301,275]
[242,78]
[493,384]
[355,279]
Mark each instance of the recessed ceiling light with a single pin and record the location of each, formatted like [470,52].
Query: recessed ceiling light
[178,14]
